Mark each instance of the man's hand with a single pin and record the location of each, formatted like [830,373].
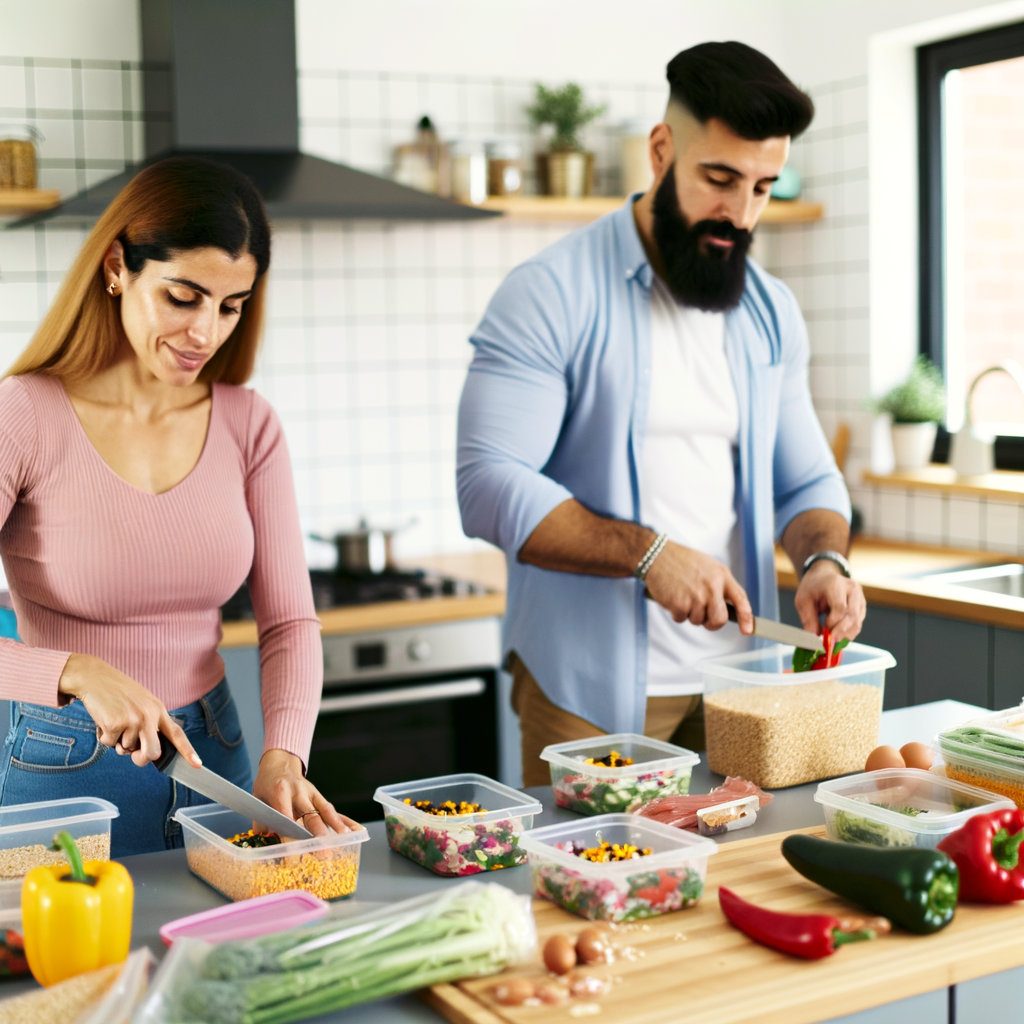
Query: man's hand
[693,586]
[824,588]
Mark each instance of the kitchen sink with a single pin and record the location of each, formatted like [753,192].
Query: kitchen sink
[1005,579]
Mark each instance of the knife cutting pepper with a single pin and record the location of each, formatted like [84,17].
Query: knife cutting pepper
[916,888]
[829,655]
[811,936]
[987,852]
[75,920]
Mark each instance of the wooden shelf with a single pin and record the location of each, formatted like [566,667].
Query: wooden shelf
[555,208]
[27,200]
[1003,485]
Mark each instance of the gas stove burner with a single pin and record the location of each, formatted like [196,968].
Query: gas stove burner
[344,589]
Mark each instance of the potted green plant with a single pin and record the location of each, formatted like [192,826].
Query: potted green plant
[915,406]
[566,169]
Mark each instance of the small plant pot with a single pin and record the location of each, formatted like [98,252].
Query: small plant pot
[567,174]
[912,444]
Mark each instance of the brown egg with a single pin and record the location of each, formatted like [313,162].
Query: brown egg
[514,991]
[884,757]
[559,954]
[583,985]
[917,755]
[592,946]
[551,992]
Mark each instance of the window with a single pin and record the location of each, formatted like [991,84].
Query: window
[971,99]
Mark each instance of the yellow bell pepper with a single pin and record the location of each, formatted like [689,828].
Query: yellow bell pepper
[75,920]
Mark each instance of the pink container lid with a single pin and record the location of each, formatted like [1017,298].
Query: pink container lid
[247,919]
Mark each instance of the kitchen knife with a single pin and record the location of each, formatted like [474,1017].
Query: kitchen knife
[769,629]
[211,785]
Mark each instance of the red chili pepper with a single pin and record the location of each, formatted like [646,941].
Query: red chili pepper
[811,936]
[986,850]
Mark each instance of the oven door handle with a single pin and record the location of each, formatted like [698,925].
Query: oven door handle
[404,695]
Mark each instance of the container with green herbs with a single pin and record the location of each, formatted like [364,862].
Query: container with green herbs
[901,807]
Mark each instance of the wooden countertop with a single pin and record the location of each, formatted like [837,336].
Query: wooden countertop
[486,568]
[882,568]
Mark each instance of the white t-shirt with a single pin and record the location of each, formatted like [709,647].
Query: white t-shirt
[687,481]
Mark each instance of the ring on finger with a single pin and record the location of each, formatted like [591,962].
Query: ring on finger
[306,814]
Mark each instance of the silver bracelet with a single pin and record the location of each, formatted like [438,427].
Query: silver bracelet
[644,565]
[828,556]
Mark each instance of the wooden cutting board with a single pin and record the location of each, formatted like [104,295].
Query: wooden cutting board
[693,965]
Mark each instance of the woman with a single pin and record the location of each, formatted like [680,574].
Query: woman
[140,485]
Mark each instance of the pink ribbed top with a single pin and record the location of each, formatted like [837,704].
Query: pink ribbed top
[97,566]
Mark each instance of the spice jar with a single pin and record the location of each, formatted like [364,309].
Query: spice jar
[18,155]
[504,169]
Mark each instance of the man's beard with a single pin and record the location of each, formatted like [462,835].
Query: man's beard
[711,279]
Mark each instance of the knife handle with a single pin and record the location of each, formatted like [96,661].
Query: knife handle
[731,609]
[167,753]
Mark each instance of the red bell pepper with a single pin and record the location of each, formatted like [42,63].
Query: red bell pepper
[986,850]
[811,936]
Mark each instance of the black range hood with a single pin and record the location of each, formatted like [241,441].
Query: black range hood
[220,81]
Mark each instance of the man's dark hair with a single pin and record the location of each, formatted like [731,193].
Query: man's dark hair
[740,86]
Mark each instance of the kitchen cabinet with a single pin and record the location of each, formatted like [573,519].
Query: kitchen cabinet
[242,670]
[939,657]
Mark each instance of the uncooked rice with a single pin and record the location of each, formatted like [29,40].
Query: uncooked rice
[61,1003]
[779,736]
[21,859]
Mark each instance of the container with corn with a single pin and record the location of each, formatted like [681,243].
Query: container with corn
[327,866]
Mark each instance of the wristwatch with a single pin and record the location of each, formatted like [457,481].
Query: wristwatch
[828,556]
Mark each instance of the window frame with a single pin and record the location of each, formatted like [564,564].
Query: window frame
[934,61]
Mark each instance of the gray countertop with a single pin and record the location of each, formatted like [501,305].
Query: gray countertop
[165,889]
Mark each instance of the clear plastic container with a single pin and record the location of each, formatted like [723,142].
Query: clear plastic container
[901,807]
[987,752]
[463,844]
[658,769]
[327,866]
[671,877]
[27,831]
[777,728]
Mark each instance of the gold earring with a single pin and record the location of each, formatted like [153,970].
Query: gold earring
[112,288]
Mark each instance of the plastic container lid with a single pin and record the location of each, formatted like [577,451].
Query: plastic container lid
[500,801]
[55,814]
[649,755]
[248,919]
[767,666]
[672,846]
[936,797]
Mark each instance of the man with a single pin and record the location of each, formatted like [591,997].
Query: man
[643,371]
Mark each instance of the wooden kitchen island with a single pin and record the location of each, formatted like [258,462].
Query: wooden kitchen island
[968,989]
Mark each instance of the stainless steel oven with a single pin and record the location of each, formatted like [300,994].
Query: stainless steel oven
[405,704]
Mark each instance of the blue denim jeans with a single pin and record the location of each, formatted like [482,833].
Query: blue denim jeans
[53,754]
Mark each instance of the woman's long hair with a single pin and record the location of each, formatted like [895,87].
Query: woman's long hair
[173,206]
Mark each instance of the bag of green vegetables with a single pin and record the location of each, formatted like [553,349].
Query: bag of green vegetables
[469,929]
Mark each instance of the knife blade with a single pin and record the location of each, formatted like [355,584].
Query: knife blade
[769,629]
[212,785]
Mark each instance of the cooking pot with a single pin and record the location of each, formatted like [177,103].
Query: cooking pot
[366,549]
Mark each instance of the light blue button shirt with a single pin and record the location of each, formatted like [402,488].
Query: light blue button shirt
[555,407]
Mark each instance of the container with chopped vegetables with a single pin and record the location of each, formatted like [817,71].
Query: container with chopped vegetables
[457,824]
[621,772]
[618,867]
[224,851]
[901,807]
[988,752]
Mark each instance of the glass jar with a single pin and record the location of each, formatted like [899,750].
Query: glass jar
[469,172]
[504,169]
[18,155]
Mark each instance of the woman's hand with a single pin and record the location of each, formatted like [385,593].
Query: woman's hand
[127,716]
[280,783]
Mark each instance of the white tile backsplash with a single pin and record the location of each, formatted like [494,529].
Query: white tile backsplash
[927,518]
[965,522]
[892,514]
[1002,527]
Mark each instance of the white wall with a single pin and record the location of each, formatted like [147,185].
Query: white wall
[80,29]
[549,39]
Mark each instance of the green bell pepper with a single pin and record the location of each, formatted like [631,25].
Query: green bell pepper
[916,888]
